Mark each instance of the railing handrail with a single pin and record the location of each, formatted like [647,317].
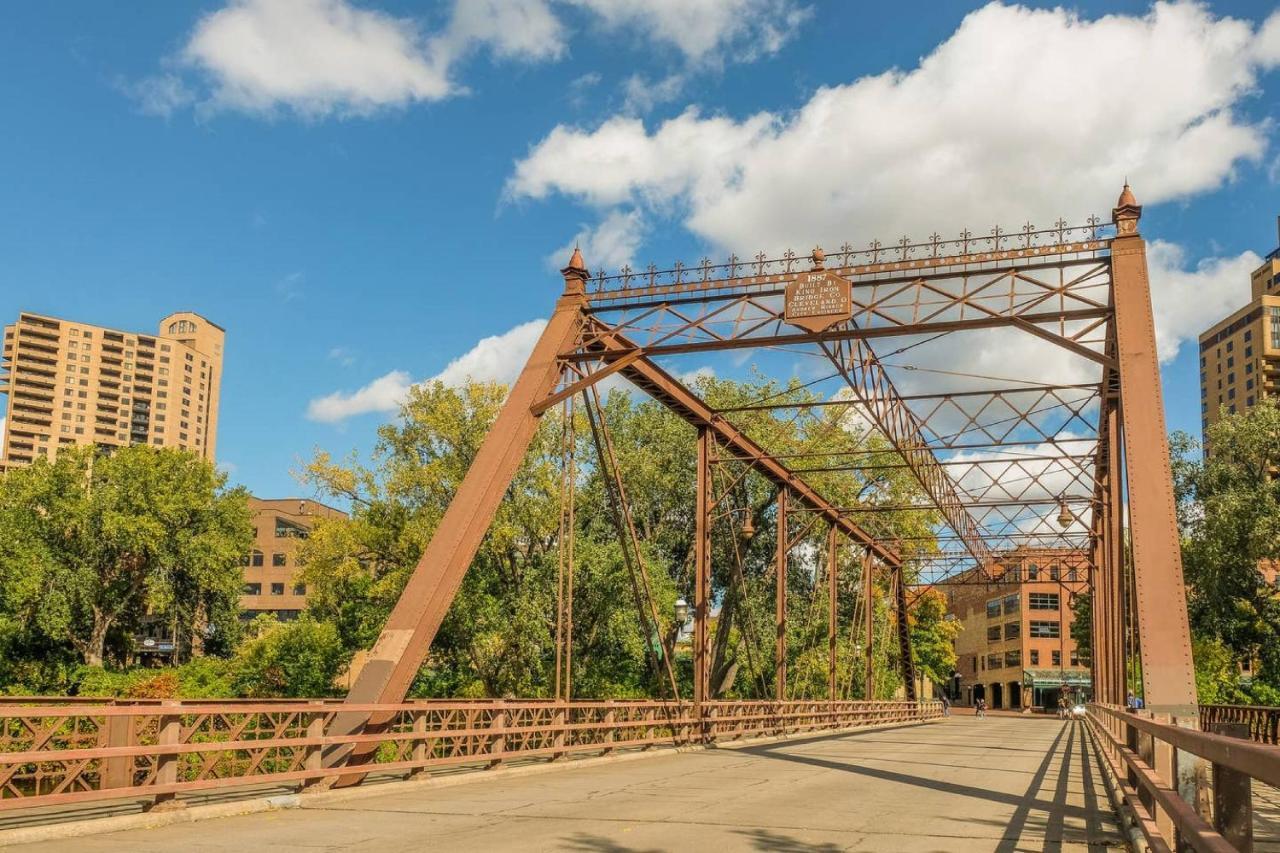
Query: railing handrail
[1258,760]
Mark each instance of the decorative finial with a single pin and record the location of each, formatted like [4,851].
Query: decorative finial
[1126,196]
[818,257]
[1126,213]
[575,274]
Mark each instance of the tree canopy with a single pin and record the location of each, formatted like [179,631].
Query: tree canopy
[93,543]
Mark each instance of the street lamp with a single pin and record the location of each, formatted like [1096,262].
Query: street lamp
[682,612]
[1064,515]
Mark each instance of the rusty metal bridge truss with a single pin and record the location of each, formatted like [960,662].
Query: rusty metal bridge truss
[1000,460]
[1005,461]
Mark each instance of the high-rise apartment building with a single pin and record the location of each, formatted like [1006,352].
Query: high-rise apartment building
[71,383]
[271,583]
[1240,355]
[1015,648]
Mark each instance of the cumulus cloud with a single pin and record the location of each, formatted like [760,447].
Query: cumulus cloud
[702,29]
[320,58]
[1002,121]
[1184,300]
[497,358]
[612,243]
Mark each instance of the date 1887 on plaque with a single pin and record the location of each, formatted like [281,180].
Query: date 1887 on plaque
[817,300]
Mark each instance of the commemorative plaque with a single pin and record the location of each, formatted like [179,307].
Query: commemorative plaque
[817,300]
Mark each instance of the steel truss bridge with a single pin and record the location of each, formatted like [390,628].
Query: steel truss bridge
[1001,461]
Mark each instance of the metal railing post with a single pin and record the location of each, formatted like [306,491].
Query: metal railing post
[611,724]
[314,754]
[419,743]
[498,741]
[117,772]
[1233,796]
[168,734]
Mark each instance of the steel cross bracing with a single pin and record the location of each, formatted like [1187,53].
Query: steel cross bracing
[1006,456]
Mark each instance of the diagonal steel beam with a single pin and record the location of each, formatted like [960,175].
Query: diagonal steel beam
[867,379]
[665,388]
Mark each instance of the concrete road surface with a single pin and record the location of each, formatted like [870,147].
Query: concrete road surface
[1002,784]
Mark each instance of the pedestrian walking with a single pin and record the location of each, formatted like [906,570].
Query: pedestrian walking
[981,707]
[946,706]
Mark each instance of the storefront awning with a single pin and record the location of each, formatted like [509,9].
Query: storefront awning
[1056,678]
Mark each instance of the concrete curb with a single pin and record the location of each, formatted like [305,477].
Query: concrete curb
[320,799]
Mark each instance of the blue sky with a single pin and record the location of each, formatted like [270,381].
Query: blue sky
[361,192]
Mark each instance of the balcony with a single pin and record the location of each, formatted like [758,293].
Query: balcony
[30,320]
[28,419]
[23,356]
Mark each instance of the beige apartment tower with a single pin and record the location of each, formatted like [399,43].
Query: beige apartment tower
[1240,355]
[71,383]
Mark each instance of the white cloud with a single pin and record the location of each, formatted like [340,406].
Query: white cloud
[642,94]
[705,29]
[344,356]
[612,243]
[1186,301]
[321,58]
[384,394]
[1002,121]
[316,56]
[498,358]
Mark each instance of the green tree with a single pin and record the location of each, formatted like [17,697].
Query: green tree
[290,659]
[1229,517]
[1082,627]
[92,543]
[499,635]
[933,637]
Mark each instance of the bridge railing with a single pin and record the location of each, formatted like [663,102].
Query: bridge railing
[55,753]
[1174,806]
[1263,722]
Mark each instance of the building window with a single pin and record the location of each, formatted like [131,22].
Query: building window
[993,661]
[993,609]
[1035,657]
[1053,572]
[277,559]
[993,633]
[277,589]
[255,559]
[1010,604]
[1013,657]
[1012,630]
[1033,572]
[1045,629]
[1057,657]
[253,589]
[1043,601]
[1075,658]
[1071,575]
[300,589]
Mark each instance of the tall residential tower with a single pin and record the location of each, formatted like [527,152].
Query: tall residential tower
[1240,355]
[70,383]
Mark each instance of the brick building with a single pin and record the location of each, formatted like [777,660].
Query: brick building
[1016,649]
[270,569]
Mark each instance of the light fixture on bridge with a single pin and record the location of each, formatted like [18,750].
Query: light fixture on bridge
[1064,515]
[682,611]
[748,526]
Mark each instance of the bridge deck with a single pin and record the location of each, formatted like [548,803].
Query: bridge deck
[964,784]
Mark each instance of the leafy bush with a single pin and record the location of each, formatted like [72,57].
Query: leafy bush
[293,659]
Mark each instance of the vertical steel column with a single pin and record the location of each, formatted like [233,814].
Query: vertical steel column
[702,575]
[1113,503]
[1165,637]
[868,592]
[905,663]
[780,603]
[831,614]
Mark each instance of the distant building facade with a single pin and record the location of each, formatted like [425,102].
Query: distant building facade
[271,584]
[70,383]
[1015,650]
[1240,354]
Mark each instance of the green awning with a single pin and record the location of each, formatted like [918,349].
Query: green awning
[1056,678]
